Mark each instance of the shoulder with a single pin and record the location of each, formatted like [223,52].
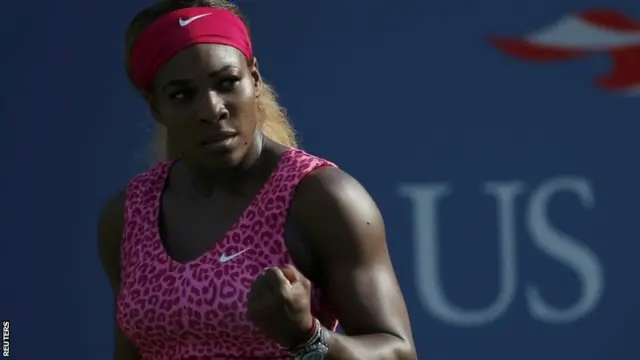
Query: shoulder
[302,162]
[152,174]
[334,212]
[112,215]
[110,230]
[333,187]
[113,212]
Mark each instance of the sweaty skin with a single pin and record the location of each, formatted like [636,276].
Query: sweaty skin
[334,231]
[336,237]
[342,226]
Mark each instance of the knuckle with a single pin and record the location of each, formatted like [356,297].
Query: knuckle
[269,274]
[282,295]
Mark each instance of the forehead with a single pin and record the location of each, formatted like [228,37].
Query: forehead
[200,60]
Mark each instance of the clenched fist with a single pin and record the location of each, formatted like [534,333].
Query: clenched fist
[279,305]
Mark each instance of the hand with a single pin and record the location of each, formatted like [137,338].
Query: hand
[279,305]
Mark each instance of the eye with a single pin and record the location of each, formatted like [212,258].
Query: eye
[230,83]
[181,95]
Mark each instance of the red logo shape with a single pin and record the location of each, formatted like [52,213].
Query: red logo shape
[582,34]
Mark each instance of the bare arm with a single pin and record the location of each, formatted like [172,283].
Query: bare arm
[110,230]
[345,231]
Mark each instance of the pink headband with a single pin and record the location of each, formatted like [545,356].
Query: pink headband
[179,29]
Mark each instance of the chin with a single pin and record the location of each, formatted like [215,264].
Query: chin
[220,159]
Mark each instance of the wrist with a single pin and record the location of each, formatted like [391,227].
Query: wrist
[316,348]
[305,335]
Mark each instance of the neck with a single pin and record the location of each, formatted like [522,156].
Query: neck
[205,182]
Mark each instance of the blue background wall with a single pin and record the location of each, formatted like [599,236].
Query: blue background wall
[509,188]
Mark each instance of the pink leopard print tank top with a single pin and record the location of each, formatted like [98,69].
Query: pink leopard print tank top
[196,311]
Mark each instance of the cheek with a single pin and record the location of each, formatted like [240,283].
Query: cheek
[245,99]
[247,114]
[170,114]
[178,122]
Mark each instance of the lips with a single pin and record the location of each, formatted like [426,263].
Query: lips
[218,137]
[219,142]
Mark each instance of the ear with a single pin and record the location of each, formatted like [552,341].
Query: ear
[152,109]
[255,74]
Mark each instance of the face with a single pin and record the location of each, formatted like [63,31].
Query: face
[206,96]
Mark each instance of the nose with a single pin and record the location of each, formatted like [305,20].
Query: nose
[211,108]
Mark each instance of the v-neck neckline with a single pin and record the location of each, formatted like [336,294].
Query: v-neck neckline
[156,238]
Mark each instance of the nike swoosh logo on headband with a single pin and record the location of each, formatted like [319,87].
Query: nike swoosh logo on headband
[188,21]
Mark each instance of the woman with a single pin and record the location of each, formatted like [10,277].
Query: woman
[200,250]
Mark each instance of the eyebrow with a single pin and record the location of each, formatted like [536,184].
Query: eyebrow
[182,82]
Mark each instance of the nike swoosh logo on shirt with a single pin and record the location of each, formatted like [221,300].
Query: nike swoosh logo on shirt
[224,258]
[188,21]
